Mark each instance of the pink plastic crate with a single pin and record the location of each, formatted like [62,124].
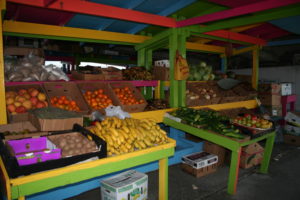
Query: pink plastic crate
[28,144]
[36,157]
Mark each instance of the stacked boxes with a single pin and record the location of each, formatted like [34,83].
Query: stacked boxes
[270,97]
[251,155]
[292,129]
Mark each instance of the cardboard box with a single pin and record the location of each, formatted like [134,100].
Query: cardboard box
[293,117]
[199,172]
[26,127]
[216,150]
[68,89]
[269,89]
[291,139]
[128,185]
[293,130]
[14,170]
[20,117]
[270,100]
[251,155]
[130,108]
[275,110]
[92,86]
[192,138]
[54,119]
[286,89]
[33,150]
[200,159]
[162,63]
[112,73]
[55,124]
[82,76]
[161,73]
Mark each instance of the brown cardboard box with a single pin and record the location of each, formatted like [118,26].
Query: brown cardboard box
[68,89]
[199,172]
[82,76]
[270,100]
[107,90]
[251,155]
[193,138]
[275,110]
[55,124]
[217,150]
[19,127]
[20,117]
[161,73]
[291,139]
[112,73]
[270,88]
[130,108]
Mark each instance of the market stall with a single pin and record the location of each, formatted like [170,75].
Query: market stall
[129,149]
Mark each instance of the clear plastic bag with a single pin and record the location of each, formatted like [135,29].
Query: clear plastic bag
[116,111]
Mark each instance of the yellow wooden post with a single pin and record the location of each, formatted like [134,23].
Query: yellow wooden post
[255,58]
[3,119]
[163,179]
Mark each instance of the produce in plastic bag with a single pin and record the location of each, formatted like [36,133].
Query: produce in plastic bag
[31,68]
[116,111]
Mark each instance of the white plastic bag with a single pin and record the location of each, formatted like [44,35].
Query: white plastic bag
[116,111]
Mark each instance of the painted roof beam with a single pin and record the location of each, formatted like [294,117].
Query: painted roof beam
[13,27]
[102,10]
[225,35]
[253,19]
[237,29]
[234,12]
[237,36]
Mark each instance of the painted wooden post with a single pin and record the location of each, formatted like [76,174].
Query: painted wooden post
[3,118]
[223,63]
[255,67]
[148,65]
[182,50]
[173,45]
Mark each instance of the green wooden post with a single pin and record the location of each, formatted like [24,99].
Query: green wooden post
[234,170]
[141,61]
[173,99]
[148,65]
[182,84]
[255,68]
[267,154]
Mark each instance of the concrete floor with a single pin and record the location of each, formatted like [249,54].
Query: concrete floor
[282,182]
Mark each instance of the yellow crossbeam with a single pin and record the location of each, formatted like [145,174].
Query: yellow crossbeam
[51,30]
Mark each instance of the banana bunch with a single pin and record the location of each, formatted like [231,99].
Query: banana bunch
[123,136]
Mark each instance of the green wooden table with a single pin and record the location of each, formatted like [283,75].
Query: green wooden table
[234,146]
[19,188]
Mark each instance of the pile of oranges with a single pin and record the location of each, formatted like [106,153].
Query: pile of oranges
[64,103]
[97,99]
[126,96]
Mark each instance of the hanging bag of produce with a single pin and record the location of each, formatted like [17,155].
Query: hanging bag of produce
[181,67]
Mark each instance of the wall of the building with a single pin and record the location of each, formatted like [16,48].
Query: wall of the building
[279,74]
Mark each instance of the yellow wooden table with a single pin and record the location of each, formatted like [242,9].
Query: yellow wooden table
[18,188]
